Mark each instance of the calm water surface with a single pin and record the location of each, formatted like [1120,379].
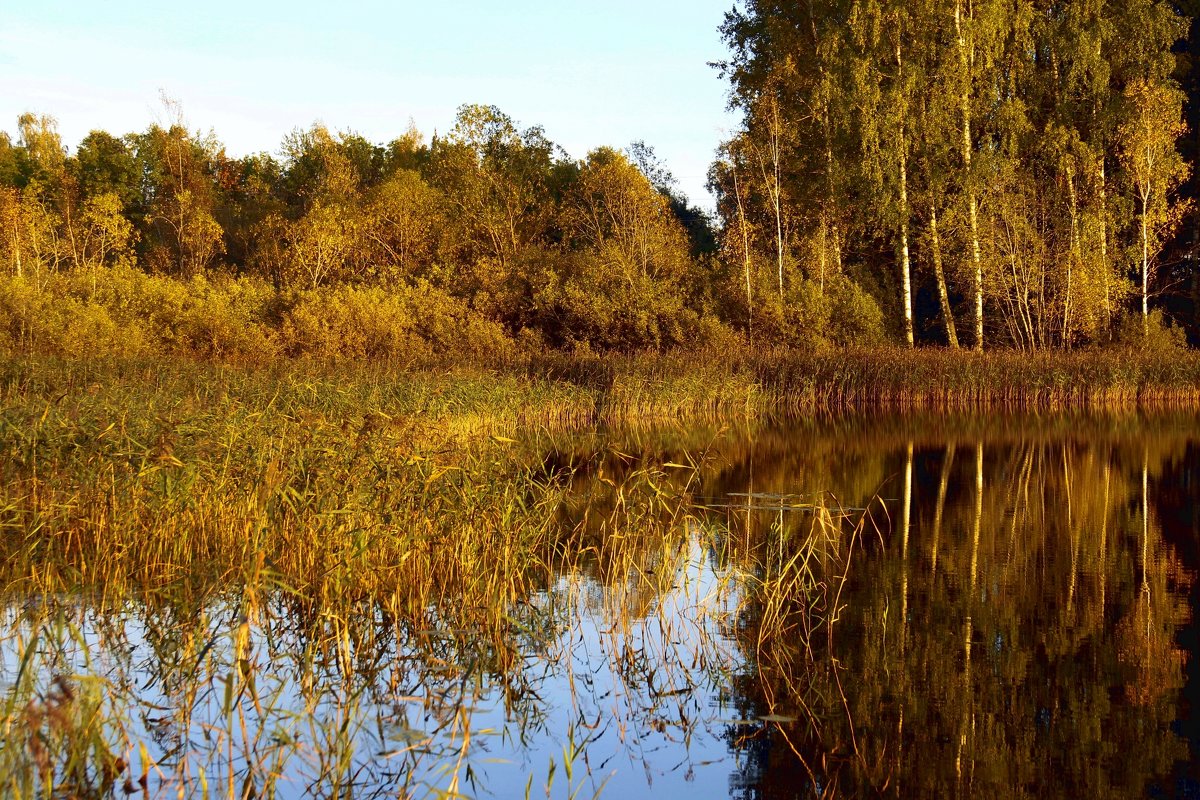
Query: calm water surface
[926,606]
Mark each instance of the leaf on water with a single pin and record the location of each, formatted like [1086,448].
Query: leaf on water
[401,733]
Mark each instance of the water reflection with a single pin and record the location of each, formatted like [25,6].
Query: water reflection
[1018,628]
[848,607]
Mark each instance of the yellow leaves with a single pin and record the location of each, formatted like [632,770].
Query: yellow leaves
[616,209]
[1147,139]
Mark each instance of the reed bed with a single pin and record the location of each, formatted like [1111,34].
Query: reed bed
[334,562]
[961,380]
[314,504]
[330,566]
[732,382]
[564,391]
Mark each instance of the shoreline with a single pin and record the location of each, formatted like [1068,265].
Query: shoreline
[559,389]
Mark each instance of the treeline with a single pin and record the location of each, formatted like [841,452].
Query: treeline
[997,172]
[489,222]
[983,173]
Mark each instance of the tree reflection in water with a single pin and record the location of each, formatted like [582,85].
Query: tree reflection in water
[1021,634]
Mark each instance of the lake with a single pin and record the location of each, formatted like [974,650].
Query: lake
[906,605]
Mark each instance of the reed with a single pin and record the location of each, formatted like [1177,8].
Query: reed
[330,563]
[332,566]
[957,380]
[730,381]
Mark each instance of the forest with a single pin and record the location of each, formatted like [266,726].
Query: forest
[984,174]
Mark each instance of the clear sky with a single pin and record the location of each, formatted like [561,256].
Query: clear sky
[595,73]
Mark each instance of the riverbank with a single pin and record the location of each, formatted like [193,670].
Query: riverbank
[569,390]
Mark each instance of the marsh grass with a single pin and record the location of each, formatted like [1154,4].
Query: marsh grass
[957,380]
[324,575]
[730,381]
[332,568]
[223,493]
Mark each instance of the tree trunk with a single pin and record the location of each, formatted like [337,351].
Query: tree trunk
[822,252]
[1104,246]
[830,228]
[778,210]
[978,275]
[17,244]
[737,190]
[905,263]
[972,204]
[1145,269]
[939,273]
[835,235]
[1075,255]
[774,189]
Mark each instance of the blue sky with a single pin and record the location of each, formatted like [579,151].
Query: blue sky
[590,73]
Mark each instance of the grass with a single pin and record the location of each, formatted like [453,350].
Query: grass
[302,550]
[270,498]
[333,562]
[730,382]
[562,390]
[955,380]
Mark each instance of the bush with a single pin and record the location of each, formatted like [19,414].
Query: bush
[404,324]
[226,317]
[123,312]
[1159,334]
[208,316]
[810,315]
[51,321]
[855,318]
[589,302]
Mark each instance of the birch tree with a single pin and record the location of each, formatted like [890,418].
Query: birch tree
[1147,149]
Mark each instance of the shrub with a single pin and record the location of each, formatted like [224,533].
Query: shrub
[1159,334]
[227,317]
[855,318]
[208,316]
[49,320]
[591,302]
[403,324]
